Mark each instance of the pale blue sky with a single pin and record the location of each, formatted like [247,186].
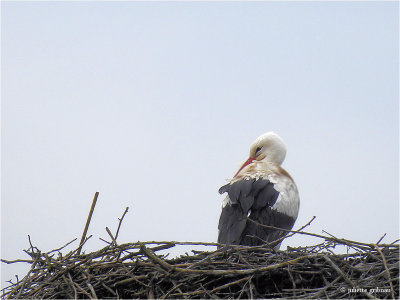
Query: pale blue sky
[154,105]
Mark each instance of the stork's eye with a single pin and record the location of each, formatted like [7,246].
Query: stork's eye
[258,149]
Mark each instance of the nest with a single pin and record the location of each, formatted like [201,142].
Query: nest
[138,270]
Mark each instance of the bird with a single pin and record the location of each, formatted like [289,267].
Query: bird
[261,192]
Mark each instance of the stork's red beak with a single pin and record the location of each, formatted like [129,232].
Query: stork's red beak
[247,162]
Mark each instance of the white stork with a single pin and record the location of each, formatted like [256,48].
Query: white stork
[261,191]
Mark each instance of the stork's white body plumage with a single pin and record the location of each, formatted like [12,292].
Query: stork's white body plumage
[261,191]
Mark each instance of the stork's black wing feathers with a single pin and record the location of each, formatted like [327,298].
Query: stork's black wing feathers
[253,234]
[252,198]
[231,224]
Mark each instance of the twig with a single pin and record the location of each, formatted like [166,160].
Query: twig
[68,284]
[105,241]
[338,270]
[26,277]
[108,289]
[154,257]
[230,284]
[341,273]
[92,291]
[176,286]
[306,225]
[82,290]
[112,237]
[207,258]
[73,286]
[382,237]
[88,222]
[324,289]
[290,234]
[248,271]
[76,250]
[387,270]
[17,261]
[129,280]
[120,221]
[167,266]
[30,243]
[58,249]
[212,291]
[341,241]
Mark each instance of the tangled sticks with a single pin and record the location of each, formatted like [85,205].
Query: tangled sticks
[136,270]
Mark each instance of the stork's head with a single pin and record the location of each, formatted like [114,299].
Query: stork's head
[268,147]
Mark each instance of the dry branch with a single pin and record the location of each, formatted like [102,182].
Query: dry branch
[88,222]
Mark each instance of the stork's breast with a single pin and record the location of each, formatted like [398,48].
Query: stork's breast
[288,201]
